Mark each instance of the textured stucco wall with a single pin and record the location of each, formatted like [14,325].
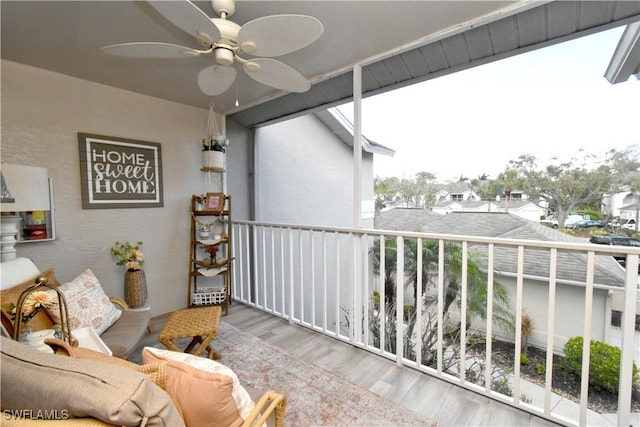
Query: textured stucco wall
[305,175]
[42,112]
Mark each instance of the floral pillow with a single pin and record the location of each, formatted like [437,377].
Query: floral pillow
[87,304]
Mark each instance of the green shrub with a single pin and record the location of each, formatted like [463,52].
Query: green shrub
[524,359]
[604,366]
[526,399]
[542,369]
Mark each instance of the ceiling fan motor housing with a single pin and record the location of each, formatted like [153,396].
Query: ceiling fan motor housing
[228,30]
[224,56]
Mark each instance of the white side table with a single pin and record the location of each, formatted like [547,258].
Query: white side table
[87,338]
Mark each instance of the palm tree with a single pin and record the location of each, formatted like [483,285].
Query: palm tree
[509,179]
[425,298]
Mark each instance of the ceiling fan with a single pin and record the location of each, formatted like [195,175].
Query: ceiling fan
[262,38]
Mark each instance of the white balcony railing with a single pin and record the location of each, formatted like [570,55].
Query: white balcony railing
[329,280]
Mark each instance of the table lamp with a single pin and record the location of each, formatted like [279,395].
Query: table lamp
[24,189]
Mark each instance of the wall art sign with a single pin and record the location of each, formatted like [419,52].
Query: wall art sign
[119,172]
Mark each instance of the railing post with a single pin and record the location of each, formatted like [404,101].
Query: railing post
[440,305]
[399,300]
[291,284]
[586,344]
[518,332]
[382,305]
[628,332]
[489,342]
[463,312]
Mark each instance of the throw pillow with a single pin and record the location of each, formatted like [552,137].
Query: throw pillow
[206,392]
[157,372]
[87,303]
[10,296]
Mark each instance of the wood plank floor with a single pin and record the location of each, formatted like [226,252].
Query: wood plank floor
[445,403]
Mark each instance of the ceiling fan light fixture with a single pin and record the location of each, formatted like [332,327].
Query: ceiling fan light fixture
[224,56]
[216,79]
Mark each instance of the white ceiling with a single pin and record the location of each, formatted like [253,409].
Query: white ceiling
[385,36]
[66,36]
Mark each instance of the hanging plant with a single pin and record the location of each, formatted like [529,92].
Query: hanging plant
[214,141]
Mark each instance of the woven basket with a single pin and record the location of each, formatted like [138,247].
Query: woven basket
[135,288]
[209,296]
[213,159]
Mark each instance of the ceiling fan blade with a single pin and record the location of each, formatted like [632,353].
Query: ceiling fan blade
[216,79]
[272,72]
[189,18]
[277,35]
[151,50]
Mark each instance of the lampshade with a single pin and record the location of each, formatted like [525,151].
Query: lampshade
[29,187]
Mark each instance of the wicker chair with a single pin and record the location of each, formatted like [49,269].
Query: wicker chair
[269,408]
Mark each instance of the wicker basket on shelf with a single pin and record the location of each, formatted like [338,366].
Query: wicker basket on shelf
[209,296]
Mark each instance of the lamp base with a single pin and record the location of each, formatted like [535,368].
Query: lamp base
[9,227]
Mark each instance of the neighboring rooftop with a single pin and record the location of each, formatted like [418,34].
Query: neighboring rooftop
[571,266]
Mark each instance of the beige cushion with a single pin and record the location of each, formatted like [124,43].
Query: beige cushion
[123,337]
[10,296]
[87,303]
[37,381]
[206,392]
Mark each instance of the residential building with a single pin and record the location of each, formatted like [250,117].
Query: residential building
[613,205]
[326,184]
[521,208]
[570,289]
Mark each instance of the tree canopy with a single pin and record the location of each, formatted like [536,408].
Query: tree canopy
[563,187]
[577,183]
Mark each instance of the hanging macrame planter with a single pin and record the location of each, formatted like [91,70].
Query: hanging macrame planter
[213,159]
[214,145]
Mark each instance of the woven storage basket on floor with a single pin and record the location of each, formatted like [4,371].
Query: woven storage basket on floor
[135,288]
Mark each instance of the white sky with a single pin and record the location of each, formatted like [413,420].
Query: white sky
[550,103]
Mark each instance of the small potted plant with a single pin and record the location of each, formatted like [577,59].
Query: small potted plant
[213,150]
[205,229]
[200,198]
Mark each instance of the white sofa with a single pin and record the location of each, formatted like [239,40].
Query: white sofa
[122,337]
